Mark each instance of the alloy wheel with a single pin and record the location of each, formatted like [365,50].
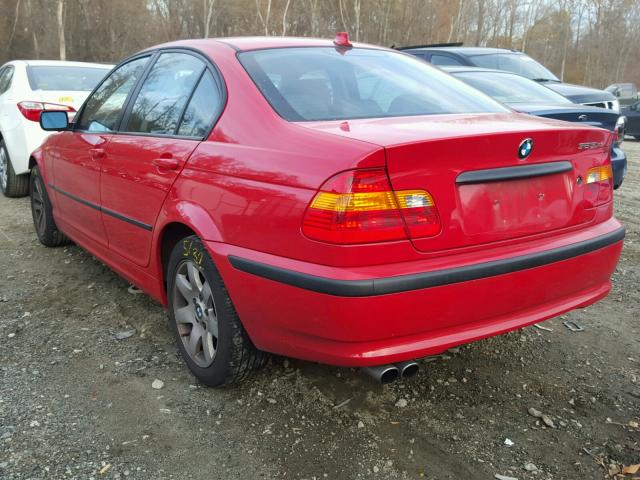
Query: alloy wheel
[195,313]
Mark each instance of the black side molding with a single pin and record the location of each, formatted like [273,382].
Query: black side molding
[106,211]
[513,173]
[405,283]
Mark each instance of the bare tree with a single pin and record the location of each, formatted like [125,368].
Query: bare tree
[345,16]
[314,17]
[34,35]
[284,18]
[264,19]
[208,13]
[456,23]
[61,39]
[582,41]
[513,16]
[15,23]
[480,22]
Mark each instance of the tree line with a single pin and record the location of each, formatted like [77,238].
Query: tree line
[591,42]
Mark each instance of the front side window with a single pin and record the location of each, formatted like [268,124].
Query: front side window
[203,108]
[510,88]
[516,63]
[164,94]
[103,109]
[323,83]
[78,79]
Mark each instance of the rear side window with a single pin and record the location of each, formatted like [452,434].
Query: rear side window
[510,88]
[203,108]
[78,79]
[516,63]
[6,74]
[164,94]
[444,60]
[325,83]
[103,109]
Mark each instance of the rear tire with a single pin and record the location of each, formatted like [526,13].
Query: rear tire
[42,213]
[12,185]
[210,336]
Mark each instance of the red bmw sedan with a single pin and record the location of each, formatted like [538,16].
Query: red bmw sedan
[334,202]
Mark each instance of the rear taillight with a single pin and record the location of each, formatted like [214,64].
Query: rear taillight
[32,110]
[598,185]
[359,206]
[419,212]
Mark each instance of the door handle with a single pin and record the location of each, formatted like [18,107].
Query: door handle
[97,153]
[166,163]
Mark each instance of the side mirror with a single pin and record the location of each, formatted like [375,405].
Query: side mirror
[54,121]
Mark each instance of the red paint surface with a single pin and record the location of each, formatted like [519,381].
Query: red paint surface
[246,188]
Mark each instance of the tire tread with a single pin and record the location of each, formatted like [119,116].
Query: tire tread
[247,357]
[52,236]
[244,357]
[17,185]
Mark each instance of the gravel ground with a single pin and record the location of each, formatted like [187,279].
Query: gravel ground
[75,402]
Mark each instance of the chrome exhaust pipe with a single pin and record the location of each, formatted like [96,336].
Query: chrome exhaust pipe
[408,369]
[383,374]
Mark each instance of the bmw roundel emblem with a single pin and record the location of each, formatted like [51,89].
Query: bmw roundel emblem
[525,148]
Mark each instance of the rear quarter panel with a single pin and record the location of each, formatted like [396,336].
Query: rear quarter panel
[256,174]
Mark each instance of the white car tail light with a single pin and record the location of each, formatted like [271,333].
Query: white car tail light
[32,110]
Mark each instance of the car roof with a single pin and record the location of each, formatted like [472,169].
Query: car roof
[465,50]
[59,63]
[256,43]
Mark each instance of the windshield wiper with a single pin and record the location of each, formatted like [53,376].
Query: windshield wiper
[542,80]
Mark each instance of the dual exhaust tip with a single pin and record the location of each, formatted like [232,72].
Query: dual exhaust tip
[386,374]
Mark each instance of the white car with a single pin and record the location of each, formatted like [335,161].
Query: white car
[26,89]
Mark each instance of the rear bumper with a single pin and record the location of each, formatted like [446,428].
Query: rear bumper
[21,142]
[387,313]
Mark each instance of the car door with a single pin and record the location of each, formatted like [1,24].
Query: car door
[78,153]
[156,139]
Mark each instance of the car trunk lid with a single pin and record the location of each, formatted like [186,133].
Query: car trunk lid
[593,116]
[483,191]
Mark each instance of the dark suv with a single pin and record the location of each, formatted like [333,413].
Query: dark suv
[516,62]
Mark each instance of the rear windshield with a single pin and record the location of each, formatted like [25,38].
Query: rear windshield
[81,79]
[510,88]
[514,62]
[325,83]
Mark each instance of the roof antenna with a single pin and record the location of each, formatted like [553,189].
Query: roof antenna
[342,40]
